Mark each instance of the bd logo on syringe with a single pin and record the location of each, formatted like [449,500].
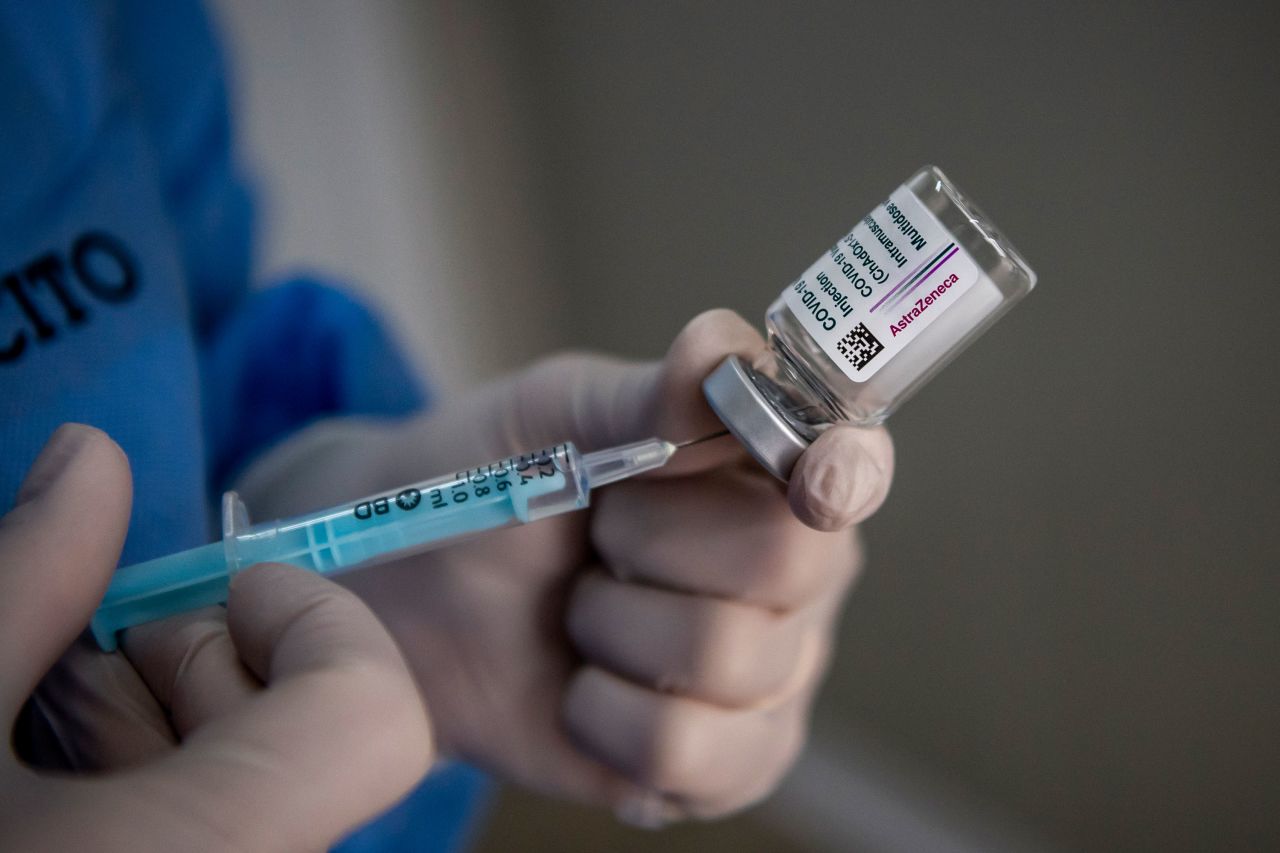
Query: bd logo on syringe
[406,500]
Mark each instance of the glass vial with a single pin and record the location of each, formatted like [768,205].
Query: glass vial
[871,321]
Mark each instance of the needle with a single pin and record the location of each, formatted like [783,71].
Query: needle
[683,444]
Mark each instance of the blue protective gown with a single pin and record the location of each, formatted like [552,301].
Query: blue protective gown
[125,303]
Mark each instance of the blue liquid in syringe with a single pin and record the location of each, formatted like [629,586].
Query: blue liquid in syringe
[415,518]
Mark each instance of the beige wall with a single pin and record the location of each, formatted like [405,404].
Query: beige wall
[1070,624]
[384,145]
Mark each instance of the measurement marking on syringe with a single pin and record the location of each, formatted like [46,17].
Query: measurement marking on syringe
[478,483]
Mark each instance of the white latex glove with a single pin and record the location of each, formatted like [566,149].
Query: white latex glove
[658,653]
[296,716]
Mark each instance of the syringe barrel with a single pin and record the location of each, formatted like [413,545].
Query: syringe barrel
[414,518]
[428,514]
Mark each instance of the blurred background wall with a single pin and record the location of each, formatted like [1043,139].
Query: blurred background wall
[1068,636]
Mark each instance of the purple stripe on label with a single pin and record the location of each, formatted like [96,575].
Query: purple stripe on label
[925,278]
[906,278]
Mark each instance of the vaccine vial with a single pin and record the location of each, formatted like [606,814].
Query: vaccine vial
[871,321]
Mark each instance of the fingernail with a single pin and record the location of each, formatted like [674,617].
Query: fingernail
[649,810]
[830,492]
[62,447]
[834,487]
[838,488]
[866,479]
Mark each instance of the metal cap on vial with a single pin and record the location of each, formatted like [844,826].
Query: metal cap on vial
[752,419]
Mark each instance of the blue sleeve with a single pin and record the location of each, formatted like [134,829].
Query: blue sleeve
[291,354]
[273,360]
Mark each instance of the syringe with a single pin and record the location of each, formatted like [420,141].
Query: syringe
[408,520]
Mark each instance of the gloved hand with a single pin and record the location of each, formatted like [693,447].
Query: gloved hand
[658,653]
[295,714]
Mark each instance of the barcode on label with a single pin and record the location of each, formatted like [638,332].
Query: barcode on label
[859,346]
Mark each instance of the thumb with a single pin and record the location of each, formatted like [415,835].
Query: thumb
[597,401]
[680,410]
[58,547]
[339,733]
